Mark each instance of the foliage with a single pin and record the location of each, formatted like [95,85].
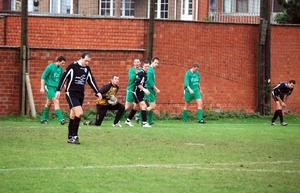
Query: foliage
[291,13]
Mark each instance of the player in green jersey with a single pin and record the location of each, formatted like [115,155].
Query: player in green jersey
[151,85]
[132,73]
[192,91]
[49,82]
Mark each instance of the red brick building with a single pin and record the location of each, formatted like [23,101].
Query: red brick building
[227,53]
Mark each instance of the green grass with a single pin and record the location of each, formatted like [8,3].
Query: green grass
[227,155]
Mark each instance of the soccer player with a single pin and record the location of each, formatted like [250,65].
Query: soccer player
[192,91]
[108,92]
[75,77]
[139,94]
[151,86]
[280,94]
[49,82]
[132,72]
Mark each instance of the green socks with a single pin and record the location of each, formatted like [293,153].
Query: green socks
[59,114]
[200,114]
[185,115]
[45,113]
[150,117]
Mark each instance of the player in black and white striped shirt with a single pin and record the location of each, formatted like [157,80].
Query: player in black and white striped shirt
[75,77]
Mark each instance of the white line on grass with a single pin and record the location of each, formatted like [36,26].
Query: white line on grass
[171,166]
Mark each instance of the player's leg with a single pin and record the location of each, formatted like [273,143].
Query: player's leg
[120,110]
[151,99]
[143,107]
[75,101]
[101,112]
[198,98]
[46,111]
[51,95]
[187,99]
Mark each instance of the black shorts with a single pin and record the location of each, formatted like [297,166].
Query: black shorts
[75,99]
[274,97]
[138,97]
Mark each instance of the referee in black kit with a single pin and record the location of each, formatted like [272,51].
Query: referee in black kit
[280,94]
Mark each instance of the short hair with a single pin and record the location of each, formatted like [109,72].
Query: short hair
[146,62]
[136,59]
[196,65]
[292,81]
[61,58]
[112,77]
[84,54]
[155,58]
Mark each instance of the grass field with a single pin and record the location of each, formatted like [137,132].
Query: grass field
[229,155]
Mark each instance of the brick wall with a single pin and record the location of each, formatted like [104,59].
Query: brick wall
[227,57]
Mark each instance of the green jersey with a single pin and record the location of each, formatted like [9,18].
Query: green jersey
[131,79]
[192,80]
[150,77]
[52,74]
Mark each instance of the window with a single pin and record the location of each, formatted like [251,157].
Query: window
[127,8]
[161,9]
[277,7]
[241,6]
[187,9]
[61,6]
[213,6]
[16,5]
[107,7]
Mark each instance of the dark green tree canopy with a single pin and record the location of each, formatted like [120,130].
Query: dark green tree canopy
[291,12]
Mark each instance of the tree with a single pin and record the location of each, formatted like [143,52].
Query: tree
[291,13]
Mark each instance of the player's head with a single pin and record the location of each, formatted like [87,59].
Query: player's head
[154,61]
[146,65]
[137,63]
[195,67]
[115,79]
[291,83]
[85,58]
[61,60]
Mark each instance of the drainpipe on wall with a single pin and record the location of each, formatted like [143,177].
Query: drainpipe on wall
[23,57]
[263,59]
[197,4]
[150,30]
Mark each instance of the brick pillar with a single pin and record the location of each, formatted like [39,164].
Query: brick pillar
[117,8]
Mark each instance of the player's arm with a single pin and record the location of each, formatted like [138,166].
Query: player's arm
[91,81]
[187,83]
[42,86]
[43,78]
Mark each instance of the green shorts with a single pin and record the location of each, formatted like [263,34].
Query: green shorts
[152,96]
[50,91]
[129,96]
[189,97]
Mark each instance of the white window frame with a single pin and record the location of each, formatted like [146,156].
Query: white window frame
[230,6]
[186,12]
[124,9]
[158,9]
[14,2]
[61,7]
[111,8]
